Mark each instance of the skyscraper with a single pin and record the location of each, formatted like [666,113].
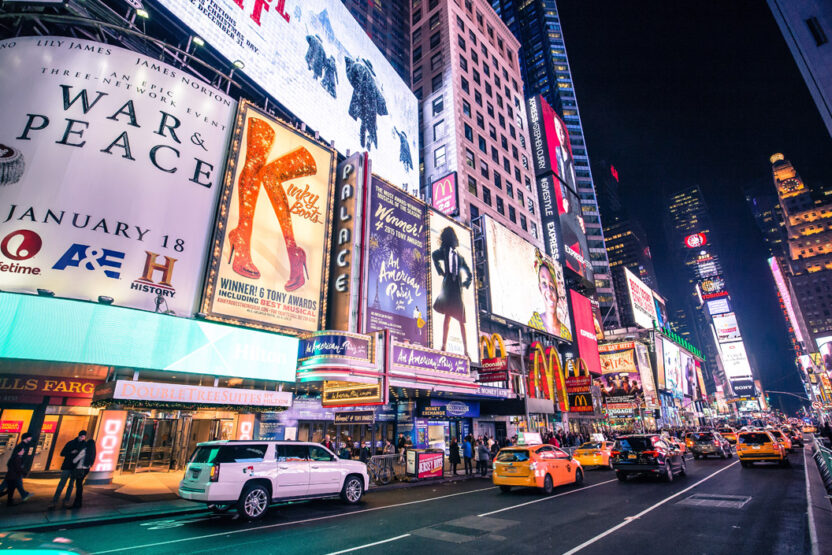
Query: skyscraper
[807,28]
[388,26]
[545,71]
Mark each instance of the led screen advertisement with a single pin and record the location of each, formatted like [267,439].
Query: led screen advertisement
[396,265]
[315,59]
[620,381]
[660,379]
[662,318]
[453,298]
[712,288]
[271,243]
[108,180]
[672,368]
[687,373]
[645,370]
[825,349]
[718,306]
[641,301]
[445,195]
[585,331]
[727,328]
[735,360]
[573,230]
[785,295]
[525,285]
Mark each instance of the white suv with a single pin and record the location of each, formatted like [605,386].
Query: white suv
[253,474]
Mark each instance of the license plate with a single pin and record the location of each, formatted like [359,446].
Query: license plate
[632,456]
[510,470]
[755,446]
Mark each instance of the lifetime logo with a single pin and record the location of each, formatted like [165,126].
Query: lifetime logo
[22,244]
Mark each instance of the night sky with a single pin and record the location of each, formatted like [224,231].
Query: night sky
[676,94]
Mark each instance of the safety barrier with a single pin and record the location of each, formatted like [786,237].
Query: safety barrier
[823,458]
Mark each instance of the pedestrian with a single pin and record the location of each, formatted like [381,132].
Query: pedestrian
[453,455]
[350,446]
[83,462]
[468,454]
[490,442]
[16,471]
[483,458]
[70,450]
[388,448]
[327,442]
[553,441]
[364,453]
[495,448]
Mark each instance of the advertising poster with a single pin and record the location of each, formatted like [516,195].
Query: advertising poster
[454,314]
[660,379]
[662,318]
[701,381]
[672,368]
[727,328]
[598,320]
[573,230]
[109,177]
[585,331]
[718,306]
[445,195]
[525,285]
[271,245]
[646,372]
[620,382]
[315,59]
[825,349]
[735,360]
[396,264]
[712,288]
[641,301]
[786,297]
[688,373]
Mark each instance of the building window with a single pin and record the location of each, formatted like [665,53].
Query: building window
[817,31]
[469,159]
[488,89]
[472,37]
[480,121]
[504,142]
[525,162]
[438,105]
[500,117]
[439,157]
[418,93]
[509,189]
[434,39]
[460,41]
[459,23]
[464,83]
[436,82]
[475,75]
[417,54]
[512,214]
[436,61]
[506,165]
[481,143]
[498,180]
[432,4]
[417,16]
[475,212]
[523,224]
[469,133]
[492,132]
[514,153]
[472,185]
[486,196]
[478,98]
[466,108]
[463,63]
[417,35]
[475,58]
[500,206]
[530,204]
[484,169]
[439,129]
[520,198]
[417,75]
[534,230]
[490,109]
[495,155]
[434,21]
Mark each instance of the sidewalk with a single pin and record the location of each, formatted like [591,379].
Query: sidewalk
[130,497]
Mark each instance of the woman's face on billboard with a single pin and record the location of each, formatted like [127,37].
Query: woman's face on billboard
[548,289]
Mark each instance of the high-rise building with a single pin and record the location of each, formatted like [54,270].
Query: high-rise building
[473,118]
[546,71]
[807,28]
[768,215]
[808,252]
[388,26]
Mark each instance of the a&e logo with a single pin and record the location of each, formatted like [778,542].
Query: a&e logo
[93,259]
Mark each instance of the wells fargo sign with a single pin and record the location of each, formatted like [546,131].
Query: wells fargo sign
[30,388]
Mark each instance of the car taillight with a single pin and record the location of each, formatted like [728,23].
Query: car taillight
[653,454]
[716,442]
[533,466]
[215,472]
[597,453]
[615,453]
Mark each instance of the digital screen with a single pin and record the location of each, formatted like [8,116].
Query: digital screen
[718,306]
[727,328]
[672,367]
[585,331]
[735,360]
[785,295]
[641,301]
[317,61]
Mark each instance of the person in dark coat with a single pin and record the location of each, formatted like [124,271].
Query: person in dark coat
[83,463]
[69,452]
[468,454]
[450,265]
[367,101]
[404,149]
[453,455]
[16,471]
[315,56]
[330,76]
[483,457]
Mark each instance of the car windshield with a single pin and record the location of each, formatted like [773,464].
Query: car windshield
[634,444]
[776,434]
[513,455]
[591,445]
[703,437]
[758,438]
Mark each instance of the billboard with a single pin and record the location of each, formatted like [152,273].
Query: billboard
[785,295]
[270,261]
[454,314]
[648,384]
[735,360]
[641,301]
[444,195]
[660,380]
[620,381]
[396,268]
[696,240]
[598,320]
[573,231]
[106,189]
[315,59]
[662,318]
[712,288]
[585,331]
[687,373]
[825,349]
[718,306]
[672,367]
[551,149]
[726,328]
[525,285]
[549,191]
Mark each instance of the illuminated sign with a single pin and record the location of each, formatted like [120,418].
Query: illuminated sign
[786,296]
[641,301]
[11,426]
[696,240]
[584,327]
[445,196]
[719,306]
[350,394]
[108,439]
[712,288]
[129,390]
[245,427]
[355,417]
[727,328]
[735,360]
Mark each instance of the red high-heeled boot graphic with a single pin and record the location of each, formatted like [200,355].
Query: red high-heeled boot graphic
[298,163]
[259,139]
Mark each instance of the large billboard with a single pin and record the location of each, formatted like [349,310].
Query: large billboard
[525,285]
[454,314]
[315,59]
[735,360]
[620,381]
[396,266]
[687,373]
[672,367]
[108,179]
[718,306]
[584,328]
[785,295]
[726,328]
[444,195]
[641,301]
[551,149]
[713,288]
[270,260]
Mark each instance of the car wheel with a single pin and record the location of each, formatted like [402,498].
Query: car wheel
[785,463]
[220,507]
[579,477]
[505,489]
[668,472]
[253,502]
[548,485]
[746,464]
[722,454]
[683,470]
[622,476]
[353,490]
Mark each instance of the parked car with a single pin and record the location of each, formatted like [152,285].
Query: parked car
[251,475]
[535,466]
[703,444]
[647,454]
[760,446]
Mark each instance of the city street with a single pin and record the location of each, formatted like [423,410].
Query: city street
[719,507]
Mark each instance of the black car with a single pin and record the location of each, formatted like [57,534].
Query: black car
[646,454]
[709,443]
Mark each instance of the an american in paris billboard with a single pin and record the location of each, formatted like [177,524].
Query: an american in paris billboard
[315,59]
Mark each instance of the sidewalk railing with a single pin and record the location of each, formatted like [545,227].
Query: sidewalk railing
[823,458]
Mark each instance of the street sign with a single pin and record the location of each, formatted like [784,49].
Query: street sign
[816,405]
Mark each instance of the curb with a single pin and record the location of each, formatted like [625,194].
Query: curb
[818,506]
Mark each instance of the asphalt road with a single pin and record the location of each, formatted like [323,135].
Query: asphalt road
[719,507]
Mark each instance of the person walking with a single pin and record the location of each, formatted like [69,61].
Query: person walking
[468,454]
[70,450]
[388,448]
[483,458]
[16,471]
[327,442]
[453,455]
[83,462]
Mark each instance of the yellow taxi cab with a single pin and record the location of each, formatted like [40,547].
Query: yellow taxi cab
[729,433]
[782,438]
[594,453]
[535,466]
[755,446]
[809,429]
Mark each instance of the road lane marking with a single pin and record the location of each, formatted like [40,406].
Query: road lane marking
[547,498]
[366,545]
[282,524]
[644,512]
[813,533]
